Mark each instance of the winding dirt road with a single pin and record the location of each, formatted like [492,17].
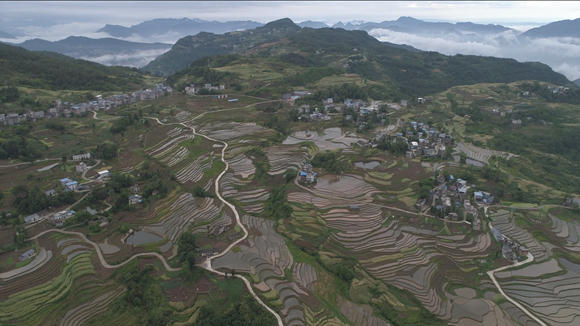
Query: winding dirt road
[496,283]
[207,263]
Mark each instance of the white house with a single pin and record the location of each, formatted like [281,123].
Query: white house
[81,167]
[81,156]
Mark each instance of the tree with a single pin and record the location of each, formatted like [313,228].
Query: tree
[64,158]
[185,271]
[290,175]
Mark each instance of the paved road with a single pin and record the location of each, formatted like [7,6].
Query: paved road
[207,263]
[88,168]
[520,263]
[100,254]
[28,163]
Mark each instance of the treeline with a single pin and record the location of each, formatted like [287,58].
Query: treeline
[120,125]
[276,206]
[30,201]
[20,67]
[327,161]
[244,312]
[429,72]
[336,40]
[18,148]
[9,94]
[144,297]
[310,75]
[106,151]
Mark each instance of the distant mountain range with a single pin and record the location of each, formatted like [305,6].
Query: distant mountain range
[6,35]
[156,28]
[328,51]
[108,51]
[562,28]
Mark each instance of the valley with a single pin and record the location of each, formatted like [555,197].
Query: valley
[285,184]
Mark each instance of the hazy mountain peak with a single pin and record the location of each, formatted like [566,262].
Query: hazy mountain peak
[281,23]
[6,35]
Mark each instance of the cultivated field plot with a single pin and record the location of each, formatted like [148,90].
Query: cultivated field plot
[67,278]
[329,139]
[404,255]
[503,221]
[266,256]
[284,157]
[192,213]
[553,298]
[233,130]
[481,154]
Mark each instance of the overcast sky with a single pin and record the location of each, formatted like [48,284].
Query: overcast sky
[134,12]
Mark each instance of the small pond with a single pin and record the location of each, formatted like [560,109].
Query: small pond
[140,237]
[474,163]
[369,165]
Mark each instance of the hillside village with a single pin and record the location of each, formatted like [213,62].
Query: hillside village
[67,109]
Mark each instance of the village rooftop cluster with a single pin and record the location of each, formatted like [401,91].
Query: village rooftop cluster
[67,109]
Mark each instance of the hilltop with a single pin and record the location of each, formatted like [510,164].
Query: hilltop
[20,67]
[302,51]
[86,48]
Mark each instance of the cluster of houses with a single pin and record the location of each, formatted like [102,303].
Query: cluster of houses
[422,140]
[510,250]
[192,89]
[67,109]
[60,217]
[558,89]
[306,174]
[135,198]
[456,191]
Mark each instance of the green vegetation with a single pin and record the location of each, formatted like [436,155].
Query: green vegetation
[144,297]
[327,161]
[245,312]
[34,200]
[277,205]
[21,67]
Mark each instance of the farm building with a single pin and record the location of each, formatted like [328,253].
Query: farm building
[72,185]
[104,175]
[31,219]
[81,156]
[134,199]
[208,252]
[26,255]
[64,181]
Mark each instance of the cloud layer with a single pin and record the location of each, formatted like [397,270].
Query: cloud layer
[561,54]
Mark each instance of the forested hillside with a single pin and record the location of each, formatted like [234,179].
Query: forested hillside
[411,73]
[20,67]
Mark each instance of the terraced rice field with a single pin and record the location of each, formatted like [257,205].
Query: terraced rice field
[33,306]
[360,315]
[189,212]
[481,154]
[346,186]
[329,139]
[284,157]
[233,130]
[193,172]
[82,313]
[266,255]
[502,220]
[552,298]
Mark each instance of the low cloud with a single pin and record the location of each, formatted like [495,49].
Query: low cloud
[561,54]
[136,59]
